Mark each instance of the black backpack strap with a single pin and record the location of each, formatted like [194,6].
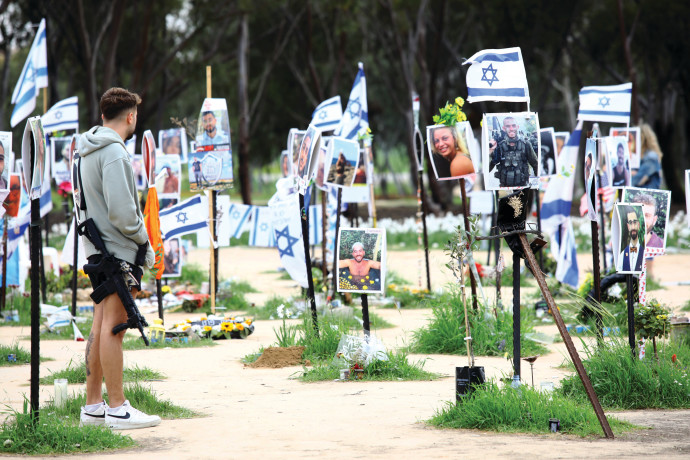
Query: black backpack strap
[82,198]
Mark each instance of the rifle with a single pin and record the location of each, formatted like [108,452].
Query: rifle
[117,273]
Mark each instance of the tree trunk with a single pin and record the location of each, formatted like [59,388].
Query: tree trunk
[243,102]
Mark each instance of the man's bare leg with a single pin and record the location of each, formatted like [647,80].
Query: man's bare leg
[94,372]
[110,348]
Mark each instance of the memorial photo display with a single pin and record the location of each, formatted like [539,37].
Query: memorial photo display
[361,260]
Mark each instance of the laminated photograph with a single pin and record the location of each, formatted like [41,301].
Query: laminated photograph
[510,150]
[60,157]
[148,153]
[591,183]
[285,164]
[320,175]
[5,160]
[14,198]
[138,170]
[168,174]
[361,260]
[172,261]
[343,159]
[294,141]
[449,150]
[548,165]
[656,207]
[359,191]
[627,237]
[634,143]
[617,161]
[173,142]
[561,138]
[210,165]
[307,158]
[34,157]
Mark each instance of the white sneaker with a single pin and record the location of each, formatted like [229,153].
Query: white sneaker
[93,418]
[126,418]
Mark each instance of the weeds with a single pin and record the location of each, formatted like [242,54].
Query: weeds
[397,367]
[76,373]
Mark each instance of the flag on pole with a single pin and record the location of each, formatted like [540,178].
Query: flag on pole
[153,228]
[287,227]
[34,76]
[497,75]
[565,250]
[558,198]
[261,229]
[315,225]
[606,103]
[187,217]
[328,114]
[356,115]
[62,116]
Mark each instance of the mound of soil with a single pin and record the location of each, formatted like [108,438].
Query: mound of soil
[276,357]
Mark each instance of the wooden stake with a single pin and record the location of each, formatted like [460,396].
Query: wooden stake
[212,222]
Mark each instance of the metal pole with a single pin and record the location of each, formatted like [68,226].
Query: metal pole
[324,227]
[75,266]
[566,338]
[3,289]
[307,259]
[541,253]
[466,214]
[597,282]
[601,227]
[422,196]
[365,314]
[35,238]
[497,254]
[159,294]
[516,314]
[335,243]
[631,314]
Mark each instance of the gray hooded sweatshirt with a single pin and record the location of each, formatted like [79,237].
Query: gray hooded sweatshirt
[111,195]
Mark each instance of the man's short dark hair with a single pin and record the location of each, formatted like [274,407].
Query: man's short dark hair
[118,100]
[208,112]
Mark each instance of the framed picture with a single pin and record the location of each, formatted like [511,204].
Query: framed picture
[5,160]
[510,150]
[634,143]
[656,207]
[138,170]
[14,198]
[60,157]
[361,260]
[34,157]
[343,160]
[549,161]
[627,237]
[173,142]
[561,138]
[210,165]
[591,183]
[449,150]
[285,164]
[306,149]
[359,191]
[617,161]
[172,261]
[294,141]
[168,173]
[320,175]
[148,154]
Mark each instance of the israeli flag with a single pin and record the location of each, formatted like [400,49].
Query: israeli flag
[34,76]
[62,116]
[606,103]
[558,198]
[261,229]
[356,116]
[565,250]
[238,216]
[497,75]
[328,114]
[187,217]
[287,227]
[315,225]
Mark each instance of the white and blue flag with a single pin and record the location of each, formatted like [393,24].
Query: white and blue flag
[328,114]
[315,225]
[34,76]
[356,116]
[606,103]
[238,216]
[558,198]
[497,75]
[287,227]
[189,216]
[565,250]
[62,116]
[261,228]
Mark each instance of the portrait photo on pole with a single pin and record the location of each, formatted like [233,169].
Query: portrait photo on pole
[173,142]
[5,160]
[34,156]
[656,207]
[172,261]
[168,176]
[295,137]
[361,260]
[617,161]
[14,198]
[285,163]
[549,161]
[449,150]
[210,165]
[320,175]
[343,159]
[510,150]
[627,237]
[60,153]
[138,170]
[591,183]
[359,192]
[634,143]
[306,149]
[164,203]
[148,154]
[561,138]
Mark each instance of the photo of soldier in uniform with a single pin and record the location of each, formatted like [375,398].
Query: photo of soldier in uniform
[361,260]
[549,161]
[627,237]
[449,150]
[656,206]
[618,161]
[511,150]
[591,182]
[210,165]
[634,143]
[342,162]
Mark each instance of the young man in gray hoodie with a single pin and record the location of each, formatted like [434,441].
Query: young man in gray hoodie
[109,190]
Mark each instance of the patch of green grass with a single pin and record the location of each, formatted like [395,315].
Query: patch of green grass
[76,373]
[397,367]
[56,434]
[626,382]
[269,309]
[194,274]
[653,284]
[409,297]
[138,344]
[67,333]
[145,399]
[23,356]
[686,306]
[491,336]
[522,410]
[251,357]
[526,278]
[16,301]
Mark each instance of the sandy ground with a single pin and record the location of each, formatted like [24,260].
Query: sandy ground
[266,413]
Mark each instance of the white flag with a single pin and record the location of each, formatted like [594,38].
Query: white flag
[287,226]
[606,103]
[328,114]
[63,115]
[187,217]
[34,76]
[497,75]
[261,229]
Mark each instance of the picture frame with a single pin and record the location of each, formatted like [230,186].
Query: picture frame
[627,226]
[632,134]
[342,162]
[656,208]
[356,272]
[449,149]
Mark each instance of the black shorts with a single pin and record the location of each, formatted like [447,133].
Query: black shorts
[97,278]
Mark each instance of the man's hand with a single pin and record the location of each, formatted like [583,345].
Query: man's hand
[492,145]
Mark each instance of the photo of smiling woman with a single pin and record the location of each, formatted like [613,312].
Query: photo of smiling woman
[449,152]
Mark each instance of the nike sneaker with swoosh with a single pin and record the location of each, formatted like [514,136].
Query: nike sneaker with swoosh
[96,417]
[126,417]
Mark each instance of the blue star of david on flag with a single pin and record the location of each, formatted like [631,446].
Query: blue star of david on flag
[493,71]
[182,217]
[289,242]
[610,104]
[604,101]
